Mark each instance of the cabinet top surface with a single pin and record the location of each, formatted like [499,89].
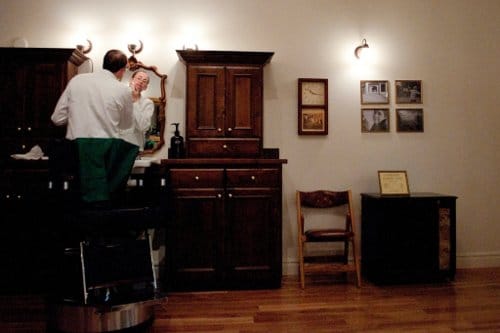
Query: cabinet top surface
[39,54]
[224,57]
[222,161]
[411,195]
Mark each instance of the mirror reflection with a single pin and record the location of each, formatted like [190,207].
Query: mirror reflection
[149,132]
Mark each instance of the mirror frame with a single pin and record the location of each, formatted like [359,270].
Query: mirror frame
[160,101]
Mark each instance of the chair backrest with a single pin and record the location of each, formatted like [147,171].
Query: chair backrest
[324,199]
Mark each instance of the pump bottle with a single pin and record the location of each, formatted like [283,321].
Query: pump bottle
[176,149]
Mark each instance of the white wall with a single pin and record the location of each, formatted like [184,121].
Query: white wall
[451,45]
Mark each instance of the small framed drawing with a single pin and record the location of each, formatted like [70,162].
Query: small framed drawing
[374,92]
[408,92]
[393,183]
[313,121]
[312,106]
[375,120]
[409,120]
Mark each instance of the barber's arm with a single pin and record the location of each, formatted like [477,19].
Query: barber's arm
[127,119]
[60,115]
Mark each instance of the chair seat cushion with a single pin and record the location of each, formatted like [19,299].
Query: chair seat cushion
[327,235]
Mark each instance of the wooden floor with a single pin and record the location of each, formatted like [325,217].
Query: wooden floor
[469,304]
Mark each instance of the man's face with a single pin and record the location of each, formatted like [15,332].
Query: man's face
[140,81]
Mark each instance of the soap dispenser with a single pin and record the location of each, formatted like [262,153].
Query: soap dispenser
[176,149]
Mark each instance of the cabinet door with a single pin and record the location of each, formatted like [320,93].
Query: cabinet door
[253,226]
[195,240]
[12,99]
[253,251]
[46,83]
[195,231]
[28,94]
[205,101]
[243,102]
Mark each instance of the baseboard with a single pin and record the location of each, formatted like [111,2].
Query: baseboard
[467,260]
[478,260]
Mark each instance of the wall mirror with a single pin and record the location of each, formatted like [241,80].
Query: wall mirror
[156,92]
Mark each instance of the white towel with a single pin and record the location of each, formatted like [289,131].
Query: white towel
[35,153]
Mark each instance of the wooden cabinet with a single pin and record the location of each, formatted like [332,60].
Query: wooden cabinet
[224,230]
[408,238]
[224,102]
[32,81]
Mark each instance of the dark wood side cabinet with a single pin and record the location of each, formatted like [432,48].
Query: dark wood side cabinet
[407,239]
[224,101]
[32,81]
[224,230]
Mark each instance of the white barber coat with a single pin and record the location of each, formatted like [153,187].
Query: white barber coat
[94,105]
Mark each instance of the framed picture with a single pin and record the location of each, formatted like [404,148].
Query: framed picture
[312,106]
[375,120]
[374,92]
[409,120]
[408,92]
[393,183]
[313,121]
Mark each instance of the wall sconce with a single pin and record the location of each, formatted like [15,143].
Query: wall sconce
[85,49]
[134,49]
[359,50]
[193,47]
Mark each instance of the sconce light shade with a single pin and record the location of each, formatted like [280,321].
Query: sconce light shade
[132,60]
[85,49]
[134,49]
[358,50]
[193,47]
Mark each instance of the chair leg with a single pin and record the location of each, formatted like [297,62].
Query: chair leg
[301,266]
[356,264]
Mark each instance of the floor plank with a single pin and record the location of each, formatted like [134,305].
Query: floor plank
[471,303]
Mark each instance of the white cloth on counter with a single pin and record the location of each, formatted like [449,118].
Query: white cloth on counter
[35,153]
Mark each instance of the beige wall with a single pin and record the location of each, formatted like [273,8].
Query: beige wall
[451,45]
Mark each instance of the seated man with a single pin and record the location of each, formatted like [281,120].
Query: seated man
[143,110]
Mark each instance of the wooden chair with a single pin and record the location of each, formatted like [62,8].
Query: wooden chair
[329,235]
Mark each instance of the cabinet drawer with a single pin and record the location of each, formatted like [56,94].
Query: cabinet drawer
[192,178]
[224,147]
[253,177]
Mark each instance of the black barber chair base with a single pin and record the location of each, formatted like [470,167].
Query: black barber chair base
[77,318]
[106,285]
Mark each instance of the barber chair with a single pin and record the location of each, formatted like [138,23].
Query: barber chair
[106,279]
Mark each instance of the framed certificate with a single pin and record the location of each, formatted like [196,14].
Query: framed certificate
[393,183]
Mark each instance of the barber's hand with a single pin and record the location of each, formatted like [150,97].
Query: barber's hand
[136,92]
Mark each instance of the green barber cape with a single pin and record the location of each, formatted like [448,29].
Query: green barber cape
[104,166]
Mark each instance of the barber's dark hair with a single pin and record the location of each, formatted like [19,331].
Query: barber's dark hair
[114,60]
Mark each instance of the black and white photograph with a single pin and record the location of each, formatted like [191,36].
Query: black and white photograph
[374,120]
[374,92]
[408,91]
[409,120]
